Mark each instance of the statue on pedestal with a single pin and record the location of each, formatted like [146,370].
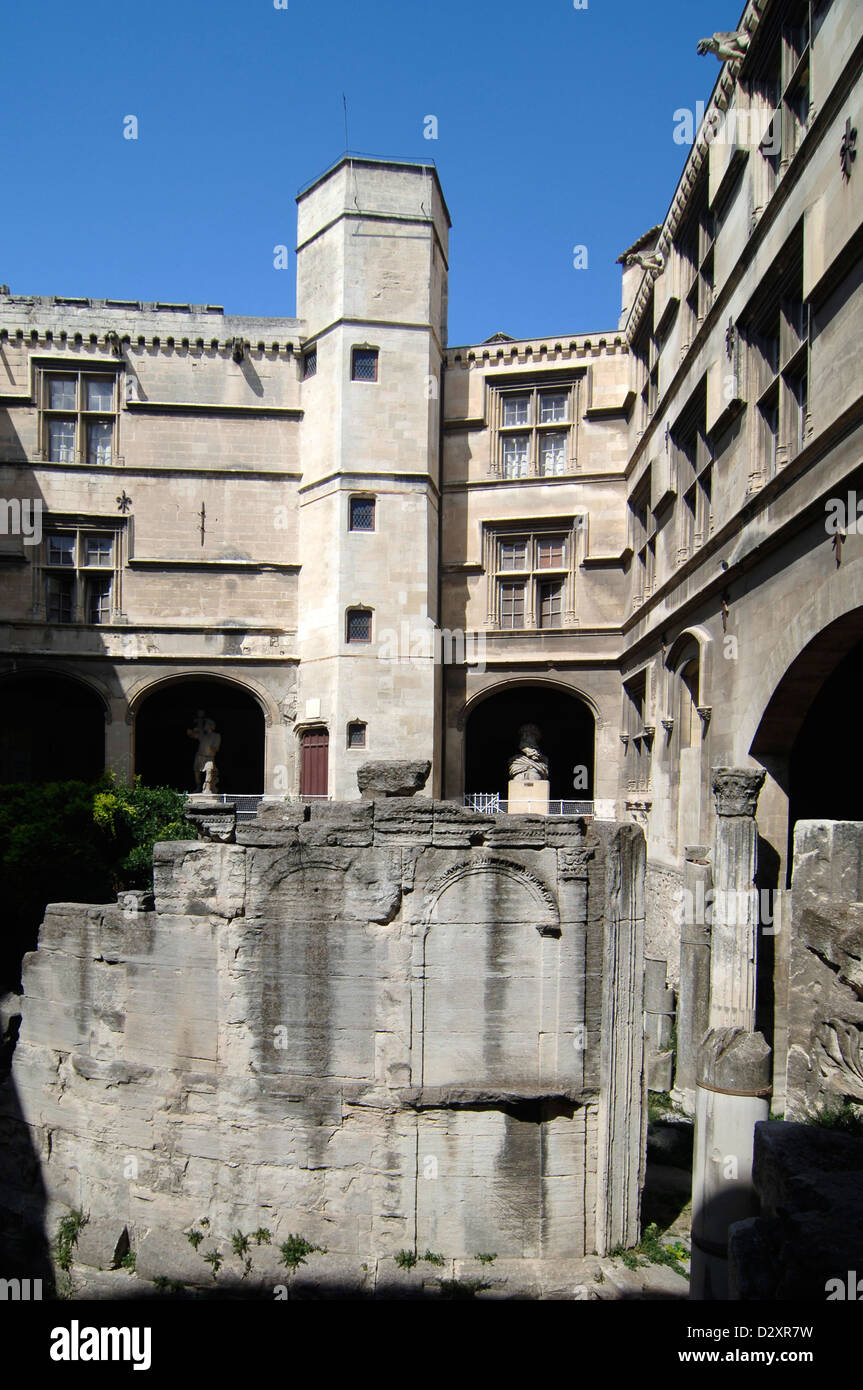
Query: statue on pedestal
[528,765]
[209,743]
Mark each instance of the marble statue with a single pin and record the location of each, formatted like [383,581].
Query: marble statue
[529,764]
[209,743]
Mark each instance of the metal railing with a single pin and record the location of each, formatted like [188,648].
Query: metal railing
[492,803]
[247,803]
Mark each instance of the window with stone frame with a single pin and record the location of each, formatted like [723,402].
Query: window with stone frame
[533,427]
[775,331]
[357,734]
[693,466]
[646,347]
[643,530]
[637,737]
[78,414]
[80,574]
[364,363]
[358,625]
[531,576]
[779,91]
[361,514]
[693,246]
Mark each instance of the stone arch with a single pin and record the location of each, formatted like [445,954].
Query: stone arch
[162,711]
[547,916]
[568,721]
[491,946]
[146,686]
[803,737]
[700,639]
[52,726]
[812,623]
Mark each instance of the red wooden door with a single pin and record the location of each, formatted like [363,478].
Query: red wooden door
[314,757]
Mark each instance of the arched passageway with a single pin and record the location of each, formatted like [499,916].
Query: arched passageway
[805,737]
[164,752]
[52,729]
[566,726]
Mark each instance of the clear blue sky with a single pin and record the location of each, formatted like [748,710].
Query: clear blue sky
[555,129]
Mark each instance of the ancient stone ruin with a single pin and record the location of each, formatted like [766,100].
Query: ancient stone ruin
[391,1023]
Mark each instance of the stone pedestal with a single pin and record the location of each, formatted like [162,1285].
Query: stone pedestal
[731,1097]
[733,1069]
[528,798]
[213,818]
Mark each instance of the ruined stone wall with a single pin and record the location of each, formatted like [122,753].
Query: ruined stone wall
[825,990]
[395,1024]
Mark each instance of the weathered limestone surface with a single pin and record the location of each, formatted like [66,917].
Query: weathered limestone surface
[396,1023]
[806,1243]
[825,1013]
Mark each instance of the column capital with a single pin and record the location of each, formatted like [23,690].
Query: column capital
[735,789]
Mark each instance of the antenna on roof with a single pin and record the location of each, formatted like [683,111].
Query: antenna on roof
[345,104]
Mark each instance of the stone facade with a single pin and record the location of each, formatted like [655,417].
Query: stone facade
[395,1024]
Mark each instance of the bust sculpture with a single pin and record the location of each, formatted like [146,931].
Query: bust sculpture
[209,743]
[529,764]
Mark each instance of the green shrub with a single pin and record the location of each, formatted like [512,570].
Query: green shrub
[75,842]
[68,1230]
[295,1249]
[405,1259]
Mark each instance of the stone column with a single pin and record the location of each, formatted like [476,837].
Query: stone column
[693,1002]
[733,1068]
[622,1108]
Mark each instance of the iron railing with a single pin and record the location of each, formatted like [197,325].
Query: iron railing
[492,803]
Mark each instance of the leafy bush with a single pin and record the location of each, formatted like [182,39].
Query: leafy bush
[75,842]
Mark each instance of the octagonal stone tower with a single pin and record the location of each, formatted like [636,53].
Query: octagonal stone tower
[372,288]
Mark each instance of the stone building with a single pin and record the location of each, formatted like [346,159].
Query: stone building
[345,539]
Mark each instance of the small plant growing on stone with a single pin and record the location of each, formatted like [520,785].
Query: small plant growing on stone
[240,1243]
[486,1259]
[162,1283]
[434,1258]
[405,1259]
[68,1231]
[128,1261]
[247,1267]
[262,1236]
[847,1118]
[194,1238]
[629,1257]
[295,1249]
[214,1259]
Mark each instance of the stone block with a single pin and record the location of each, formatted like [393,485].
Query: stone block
[392,777]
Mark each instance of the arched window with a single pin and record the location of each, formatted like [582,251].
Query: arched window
[688,714]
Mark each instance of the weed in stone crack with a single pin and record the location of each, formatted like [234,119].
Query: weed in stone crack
[240,1243]
[68,1231]
[295,1249]
[405,1259]
[214,1258]
[486,1259]
[433,1257]
[262,1236]
[194,1238]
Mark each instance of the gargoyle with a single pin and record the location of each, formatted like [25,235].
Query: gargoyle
[654,262]
[729,45]
[239,347]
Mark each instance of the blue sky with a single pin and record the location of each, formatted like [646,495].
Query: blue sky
[555,129]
